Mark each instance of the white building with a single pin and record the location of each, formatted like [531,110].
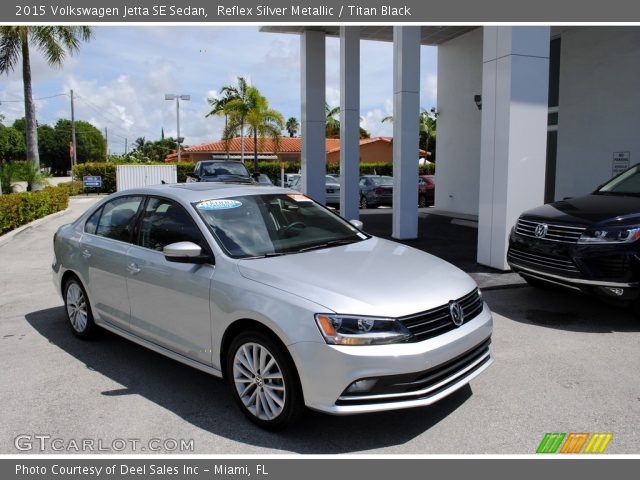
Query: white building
[560,111]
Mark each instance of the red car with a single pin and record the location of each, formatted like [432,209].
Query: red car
[426,190]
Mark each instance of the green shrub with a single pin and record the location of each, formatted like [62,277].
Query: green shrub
[75,187]
[17,209]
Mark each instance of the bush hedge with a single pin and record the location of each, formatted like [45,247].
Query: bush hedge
[17,209]
[272,169]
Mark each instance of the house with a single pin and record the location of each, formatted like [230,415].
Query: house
[372,150]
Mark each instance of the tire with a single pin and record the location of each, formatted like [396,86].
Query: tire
[78,310]
[422,201]
[278,402]
[363,202]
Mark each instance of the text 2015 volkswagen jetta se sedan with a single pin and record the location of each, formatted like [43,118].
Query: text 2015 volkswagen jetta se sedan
[290,303]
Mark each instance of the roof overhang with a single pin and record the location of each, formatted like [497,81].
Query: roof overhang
[429,35]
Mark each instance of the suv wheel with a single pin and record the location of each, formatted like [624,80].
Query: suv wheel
[264,381]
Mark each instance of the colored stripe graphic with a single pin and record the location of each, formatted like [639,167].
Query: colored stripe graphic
[574,442]
[550,442]
[598,442]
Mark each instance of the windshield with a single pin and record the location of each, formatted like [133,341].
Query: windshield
[627,183]
[382,180]
[225,168]
[254,226]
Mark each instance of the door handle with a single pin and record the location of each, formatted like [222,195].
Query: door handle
[133,268]
[86,253]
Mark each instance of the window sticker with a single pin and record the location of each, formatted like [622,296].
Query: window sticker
[298,197]
[223,204]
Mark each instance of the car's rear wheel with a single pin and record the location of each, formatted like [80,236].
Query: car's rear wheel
[422,201]
[363,202]
[78,309]
[264,381]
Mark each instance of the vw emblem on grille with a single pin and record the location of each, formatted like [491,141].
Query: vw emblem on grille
[541,230]
[456,312]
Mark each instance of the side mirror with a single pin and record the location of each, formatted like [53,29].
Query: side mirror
[184,252]
[357,223]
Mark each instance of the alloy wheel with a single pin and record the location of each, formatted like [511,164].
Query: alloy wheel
[77,307]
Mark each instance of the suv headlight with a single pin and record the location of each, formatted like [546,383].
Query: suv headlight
[360,330]
[610,235]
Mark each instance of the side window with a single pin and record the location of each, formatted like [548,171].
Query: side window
[92,223]
[164,222]
[118,217]
[363,182]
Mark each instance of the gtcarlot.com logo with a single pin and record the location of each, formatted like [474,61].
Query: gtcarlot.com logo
[574,443]
[48,443]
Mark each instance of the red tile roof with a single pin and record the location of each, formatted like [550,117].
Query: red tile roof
[266,145]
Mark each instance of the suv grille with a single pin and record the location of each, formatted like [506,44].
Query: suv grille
[555,233]
[438,320]
[542,261]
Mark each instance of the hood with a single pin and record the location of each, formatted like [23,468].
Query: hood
[589,210]
[371,277]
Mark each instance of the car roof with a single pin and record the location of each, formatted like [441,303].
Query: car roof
[199,191]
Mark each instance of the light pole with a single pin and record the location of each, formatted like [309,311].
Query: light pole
[177,97]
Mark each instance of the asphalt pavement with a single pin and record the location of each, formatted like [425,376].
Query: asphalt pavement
[563,363]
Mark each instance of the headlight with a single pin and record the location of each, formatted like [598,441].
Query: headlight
[610,235]
[360,330]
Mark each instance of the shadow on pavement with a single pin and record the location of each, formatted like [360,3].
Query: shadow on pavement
[205,402]
[562,310]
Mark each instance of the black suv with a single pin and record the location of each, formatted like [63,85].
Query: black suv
[588,243]
[228,171]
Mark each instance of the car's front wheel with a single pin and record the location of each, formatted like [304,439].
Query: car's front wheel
[264,381]
[78,309]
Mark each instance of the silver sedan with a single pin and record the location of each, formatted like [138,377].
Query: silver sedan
[291,304]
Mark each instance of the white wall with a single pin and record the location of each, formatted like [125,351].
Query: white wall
[599,105]
[458,144]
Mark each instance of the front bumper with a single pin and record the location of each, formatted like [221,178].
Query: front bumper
[606,270]
[409,374]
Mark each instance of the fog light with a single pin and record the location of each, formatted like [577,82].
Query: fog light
[361,386]
[618,292]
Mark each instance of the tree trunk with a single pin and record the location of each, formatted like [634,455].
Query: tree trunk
[242,142]
[256,167]
[29,106]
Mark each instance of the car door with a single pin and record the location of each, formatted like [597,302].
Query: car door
[104,246]
[169,300]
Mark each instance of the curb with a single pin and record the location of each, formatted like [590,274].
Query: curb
[7,237]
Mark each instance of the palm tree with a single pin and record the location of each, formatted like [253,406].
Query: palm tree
[292,126]
[332,129]
[261,120]
[234,101]
[54,43]
[427,126]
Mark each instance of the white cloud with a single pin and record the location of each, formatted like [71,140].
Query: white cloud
[372,123]
[430,89]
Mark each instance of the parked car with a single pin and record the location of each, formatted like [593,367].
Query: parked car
[588,243]
[263,179]
[220,171]
[289,178]
[375,190]
[426,190]
[332,189]
[275,293]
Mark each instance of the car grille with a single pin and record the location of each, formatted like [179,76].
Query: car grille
[437,321]
[421,385]
[612,266]
[555,233]
[542,261]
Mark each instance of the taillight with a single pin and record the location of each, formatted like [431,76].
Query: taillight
[378,190]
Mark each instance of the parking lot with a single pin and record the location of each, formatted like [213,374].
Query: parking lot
[564,363]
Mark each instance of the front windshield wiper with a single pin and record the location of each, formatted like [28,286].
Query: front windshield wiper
[330,243]
[266,255]
[617,194]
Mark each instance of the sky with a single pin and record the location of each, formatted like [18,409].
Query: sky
[120,77]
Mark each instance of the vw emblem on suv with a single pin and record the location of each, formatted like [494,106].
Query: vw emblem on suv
[456,312]
[541,230]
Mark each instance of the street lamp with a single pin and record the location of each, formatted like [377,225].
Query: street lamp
[177,98]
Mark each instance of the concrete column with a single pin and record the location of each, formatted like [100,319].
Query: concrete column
[349,122]
[314,160]
[406,103]
[515,78]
